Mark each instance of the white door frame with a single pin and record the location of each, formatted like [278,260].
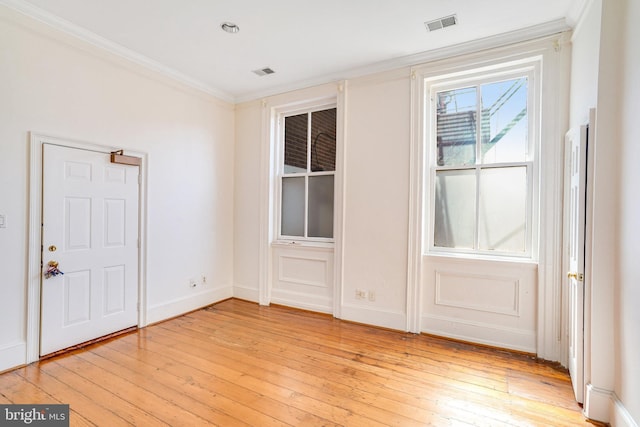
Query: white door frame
[34,280]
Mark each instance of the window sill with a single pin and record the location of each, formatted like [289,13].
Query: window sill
[293,244]
[468,257]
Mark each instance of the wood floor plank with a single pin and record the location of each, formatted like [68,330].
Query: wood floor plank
[201,390]
[262,345]
[240,364]
[79,401]
[348,398]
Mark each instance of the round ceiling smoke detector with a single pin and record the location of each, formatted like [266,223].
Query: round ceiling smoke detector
[230,27]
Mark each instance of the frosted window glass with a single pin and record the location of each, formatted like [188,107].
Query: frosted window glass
[455,209]
[295,143]
[504,121]
[321,206]
[293,206]
[456,127]
[502,209]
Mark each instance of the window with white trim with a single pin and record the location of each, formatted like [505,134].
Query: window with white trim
[308,164]
[482,163]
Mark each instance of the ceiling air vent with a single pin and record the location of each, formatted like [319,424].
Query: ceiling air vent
[438,24]
[264,71]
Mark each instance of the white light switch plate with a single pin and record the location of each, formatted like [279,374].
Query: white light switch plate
[3,221]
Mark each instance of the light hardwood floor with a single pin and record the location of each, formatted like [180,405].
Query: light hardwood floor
[238,364]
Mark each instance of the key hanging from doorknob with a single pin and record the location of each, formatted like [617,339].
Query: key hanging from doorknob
[52,270]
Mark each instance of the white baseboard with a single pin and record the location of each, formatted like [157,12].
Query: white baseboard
[481,333]
[246,293]
[597,403]
[167,310]
[12,356]
[303,301]
[376,317]
[620,417]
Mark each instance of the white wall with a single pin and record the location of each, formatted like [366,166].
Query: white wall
[375,201]
[56,85]
[584,95]
[627,296]
[246,260]
[605,70]
[377,198]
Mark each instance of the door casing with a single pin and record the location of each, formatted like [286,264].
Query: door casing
[35,234]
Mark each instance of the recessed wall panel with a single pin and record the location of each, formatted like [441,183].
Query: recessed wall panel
[305,271]
[492,294]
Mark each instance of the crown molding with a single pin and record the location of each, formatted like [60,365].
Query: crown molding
[511,37]
[100,42]
[576,10]
[520,35]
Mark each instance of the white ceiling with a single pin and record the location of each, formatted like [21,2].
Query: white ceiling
[305,42]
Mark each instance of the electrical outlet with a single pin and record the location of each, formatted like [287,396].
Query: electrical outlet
[372,295]
[360,294]
[203,280]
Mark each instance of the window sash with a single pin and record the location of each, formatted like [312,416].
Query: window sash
[307,175]
[432,89]
[476,172]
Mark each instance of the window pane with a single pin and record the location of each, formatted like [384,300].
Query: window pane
[295,143]
[321,206]
[456,127]
[455,209]
[292,207]
[505,124]
[502,205]
[323,140]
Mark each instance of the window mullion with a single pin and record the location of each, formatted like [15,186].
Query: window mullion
[306,178]
[476,236]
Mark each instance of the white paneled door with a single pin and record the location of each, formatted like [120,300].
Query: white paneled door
[576,141]
[90,229]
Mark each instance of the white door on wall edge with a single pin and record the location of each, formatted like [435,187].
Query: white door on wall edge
[576,146]
[90,229]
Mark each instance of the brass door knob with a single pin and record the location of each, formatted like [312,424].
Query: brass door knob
[573,275]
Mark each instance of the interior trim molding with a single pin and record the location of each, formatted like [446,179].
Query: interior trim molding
[520,35]
[375,317]
[597,403]
[246,293]
[471,331]
[179,306]
[12,356]
[319,304]
[472,46]
[620,416]
[100,42]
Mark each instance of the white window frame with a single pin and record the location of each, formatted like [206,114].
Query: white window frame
[477,78]
[280,130]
